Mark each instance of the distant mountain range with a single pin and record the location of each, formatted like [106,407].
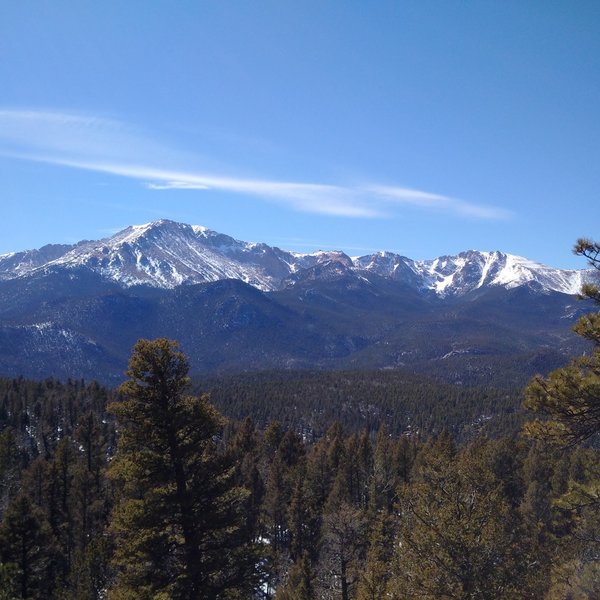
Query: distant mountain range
[76,310]
[165,254]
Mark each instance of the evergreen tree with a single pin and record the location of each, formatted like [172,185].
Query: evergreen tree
[243,449]
[275,515]
[576,566]
[298,520]
[177,523]
[342,548]
[570,396]
[458,537]
[10,463]
[64,463]
[373,584]
[90,572]
[361,465]
[569,400]
[300,582]
[25,541]
[384,479]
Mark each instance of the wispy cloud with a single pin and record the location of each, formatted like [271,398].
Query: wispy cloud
[110,146]
[437,202]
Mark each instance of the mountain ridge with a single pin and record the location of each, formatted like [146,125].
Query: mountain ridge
[166,254]
[474,318]
[75,323]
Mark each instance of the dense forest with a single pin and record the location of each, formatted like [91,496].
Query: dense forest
[408,404]
[330,485]
[346,514]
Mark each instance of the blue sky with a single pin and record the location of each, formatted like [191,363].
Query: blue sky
[424,128]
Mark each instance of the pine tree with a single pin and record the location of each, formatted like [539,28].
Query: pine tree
[276,500]
[89,573]
[10,467]
[373,584]
[25,541]
[177,523]
[575,565]
[570,396]
[569,401]
[298,518]
[384,477]
[343,542]
[300,582]
[458,537]
[63,527]
[244,451]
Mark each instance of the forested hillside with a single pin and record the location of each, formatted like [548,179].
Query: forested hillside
[407,404]
[296,511]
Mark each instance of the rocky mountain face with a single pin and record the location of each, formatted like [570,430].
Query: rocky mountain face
[76,311]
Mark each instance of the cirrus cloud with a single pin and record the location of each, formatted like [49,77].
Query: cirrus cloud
[110,146]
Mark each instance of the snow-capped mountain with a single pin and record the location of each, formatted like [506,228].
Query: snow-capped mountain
[471,270]
[166,254]
[76,311]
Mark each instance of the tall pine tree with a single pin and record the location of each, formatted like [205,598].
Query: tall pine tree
[177,523]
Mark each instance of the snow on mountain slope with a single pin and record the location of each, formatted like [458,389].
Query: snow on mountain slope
[468,271]
[456,275]
[391,266]
[14,264]
[166,254]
